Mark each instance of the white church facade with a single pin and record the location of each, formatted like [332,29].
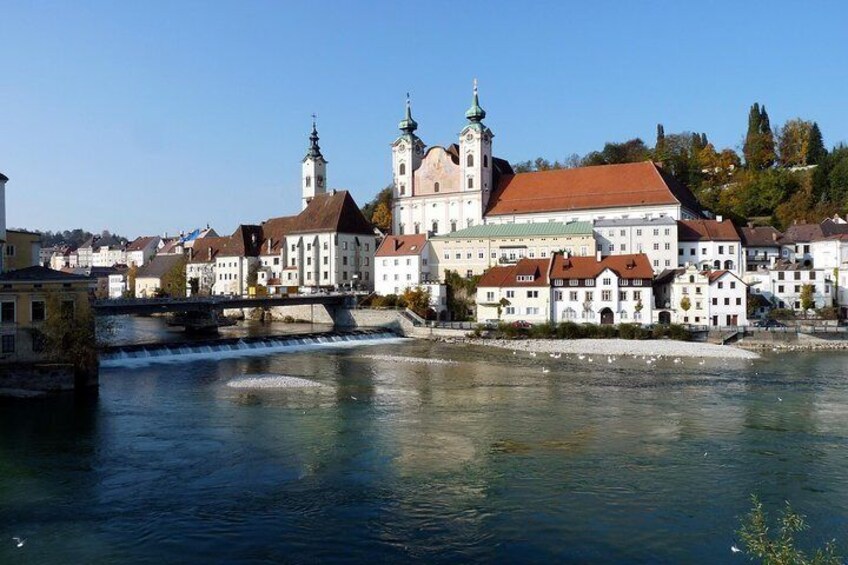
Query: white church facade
[440,190]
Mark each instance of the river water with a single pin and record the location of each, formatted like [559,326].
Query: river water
[480,457]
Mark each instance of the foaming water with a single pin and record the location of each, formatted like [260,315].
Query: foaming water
[487,458]
[271,381]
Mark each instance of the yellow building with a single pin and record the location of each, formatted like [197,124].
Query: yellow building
[21,250]
[24,298]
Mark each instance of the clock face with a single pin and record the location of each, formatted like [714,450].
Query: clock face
[469,137]
[402,147]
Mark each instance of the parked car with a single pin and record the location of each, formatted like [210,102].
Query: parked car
[522,325]
[769,324]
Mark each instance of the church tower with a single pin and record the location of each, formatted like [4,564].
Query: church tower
[475,150]
[407,151]
[314,177]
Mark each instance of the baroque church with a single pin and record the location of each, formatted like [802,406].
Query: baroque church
[440,190]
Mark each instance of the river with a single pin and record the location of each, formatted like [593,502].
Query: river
[424,451]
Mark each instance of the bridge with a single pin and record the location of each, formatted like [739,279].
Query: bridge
[206,312]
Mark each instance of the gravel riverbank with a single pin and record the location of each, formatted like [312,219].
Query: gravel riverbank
[617,347]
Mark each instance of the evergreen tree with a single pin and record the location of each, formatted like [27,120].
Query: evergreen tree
[759,141]
[816,151]
[767,137]
[659,148]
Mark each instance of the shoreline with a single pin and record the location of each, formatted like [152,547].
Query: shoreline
[619,347]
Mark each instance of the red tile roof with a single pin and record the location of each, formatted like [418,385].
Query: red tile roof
[707,230]
[506,276]
[140,243]
[333,211]
[206,249]
[715,275]
[635,266]
[396,245]
[604,186]
[274,231]
[761,236]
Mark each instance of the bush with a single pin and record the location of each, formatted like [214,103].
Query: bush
[288,319]
[678,332]
[606,332]
[569,330]
[782,314]
[830,313]
[543,331]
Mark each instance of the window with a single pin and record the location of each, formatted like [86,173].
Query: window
[721,284]
[38,311]
[622,295]
[344,260]
[309,260]
[490,296]
[780,275]
[715,301]
[739,302]
[325,260]
[326,275]
[469,161]
[812,275]
[453,225]
[797,275]
[656,247]
[485,160]
[607,281]
[572,282]
[510,294]
[532,294]
[606,295]
[667,246]
[638,232]
[731,249]
[727,302]
[780,288]
[590,296]
[402,189]
[344,245]
[510,310]
[470,182]
[692,251]
[8,344]
[721,249]
[436,229]
[7,313]
[732,284]
[637,295]
[532,310]
[402,169]
[572,296]
[436,187]
[590,282]
[308,181]
[656,232]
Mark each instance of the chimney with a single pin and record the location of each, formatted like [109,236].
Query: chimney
[598,256]
[719,218]
[269,245]
[190,254]
[210,252]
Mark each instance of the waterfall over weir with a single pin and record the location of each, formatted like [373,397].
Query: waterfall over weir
[238,347]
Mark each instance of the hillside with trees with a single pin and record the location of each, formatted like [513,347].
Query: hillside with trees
[77,237]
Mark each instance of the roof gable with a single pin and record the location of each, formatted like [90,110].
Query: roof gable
[398,245]
[334,211]
[508,276]
[707,230]
[634,266]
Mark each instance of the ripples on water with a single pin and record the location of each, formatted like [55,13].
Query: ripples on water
[484,459]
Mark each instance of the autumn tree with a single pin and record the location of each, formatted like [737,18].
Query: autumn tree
[807,299]
[68,331]
[382,217]
[793,142]
[759,141]
[418,300]
[174,281]
[132,273]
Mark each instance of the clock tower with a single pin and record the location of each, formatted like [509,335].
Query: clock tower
[314,177]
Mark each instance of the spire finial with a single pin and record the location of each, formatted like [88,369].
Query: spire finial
[314,150]
[475,86]
[407,124]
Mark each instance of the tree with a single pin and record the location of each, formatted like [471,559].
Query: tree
[659,148]
[132,273]
[384,196]
[807,299]
[759,141]
[69,333]
[174,281]
[781,550]
[252,274]
[793,142]
[816,152]
[418,300]
[382,217]
[685,303]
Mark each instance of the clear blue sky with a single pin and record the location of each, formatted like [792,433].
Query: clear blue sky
[145,117]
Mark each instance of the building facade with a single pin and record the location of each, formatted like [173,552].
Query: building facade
[519,292]
[656,237]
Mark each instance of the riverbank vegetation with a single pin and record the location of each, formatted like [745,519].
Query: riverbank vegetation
[571,330]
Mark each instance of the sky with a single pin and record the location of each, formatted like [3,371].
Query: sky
[153,117]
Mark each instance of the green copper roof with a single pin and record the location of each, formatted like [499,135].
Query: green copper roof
[521,230]
[407,124]
[475,113]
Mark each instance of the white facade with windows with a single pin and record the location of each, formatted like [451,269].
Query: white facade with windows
[655,237]
[727,300]
[515,293]
[782,285]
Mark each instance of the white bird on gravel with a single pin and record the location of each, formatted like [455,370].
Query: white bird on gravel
[532,354]
[558,355]
[19,542]
[589,359]
[581,356]
[609,359]
[702,362]
[545,370]
[677,359]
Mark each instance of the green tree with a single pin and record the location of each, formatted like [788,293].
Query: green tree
[793,142]
[781,549]
[69,332]
[759,140]
[174,281]
[807,299]
[816,152]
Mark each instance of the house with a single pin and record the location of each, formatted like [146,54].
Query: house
[690,295]
[64,256]
[761,245]
[830,252]
[401,262]
[519,292]
[236,263]
[21,250]
[710,244]
[727,295]
[109,255]
[656,237]
[142,249]
[273,253]
[159,276]
[602,290]
[24,297]
[783,284]
[200,265]
[85,252]
[110,281]
[471,251]
[444,189]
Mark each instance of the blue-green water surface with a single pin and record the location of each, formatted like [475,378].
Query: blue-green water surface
[485,459]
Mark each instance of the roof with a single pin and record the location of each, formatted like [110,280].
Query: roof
[332,211]
[206,249]
[139,243]
[506,276]
[24,232]
[396,245]
[3,177]
[623,222]
[832,227]
[39,274]
[274,232]
[582,188]
[803,233]
[537,229]
[245,242]
[668,275]
[159,266]
[633,266]
[707,230]
[760,236]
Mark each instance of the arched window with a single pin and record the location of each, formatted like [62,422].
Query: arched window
[470,182]
[453,225]
[691,278]
[469,161]
[485,160]
[402,189]
[728,265]
[435,227]
[402,169]
[436,187]
[717,264]
[400,229]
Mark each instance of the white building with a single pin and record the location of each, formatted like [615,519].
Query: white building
[401,262]
[602,290]
[710,244]
[142,249]
[200,265]
[831,252]
[690,295]
[783,284]
[442,190]
[761,245]
[237,262]
[518,292]
[473,250]
[117,284]
[109,255]
[655,237]
[727,299]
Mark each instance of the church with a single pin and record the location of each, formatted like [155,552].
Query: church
[440,190]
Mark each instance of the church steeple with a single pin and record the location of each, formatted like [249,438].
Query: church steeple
[314,150]
[475,113]
[407,125]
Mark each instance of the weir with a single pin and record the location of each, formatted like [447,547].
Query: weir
[234,347]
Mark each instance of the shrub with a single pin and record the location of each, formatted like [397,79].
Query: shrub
[782,314]
[678,332]
[569,330]
[829,313]
[606,331]
[542,331]
[288,319]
